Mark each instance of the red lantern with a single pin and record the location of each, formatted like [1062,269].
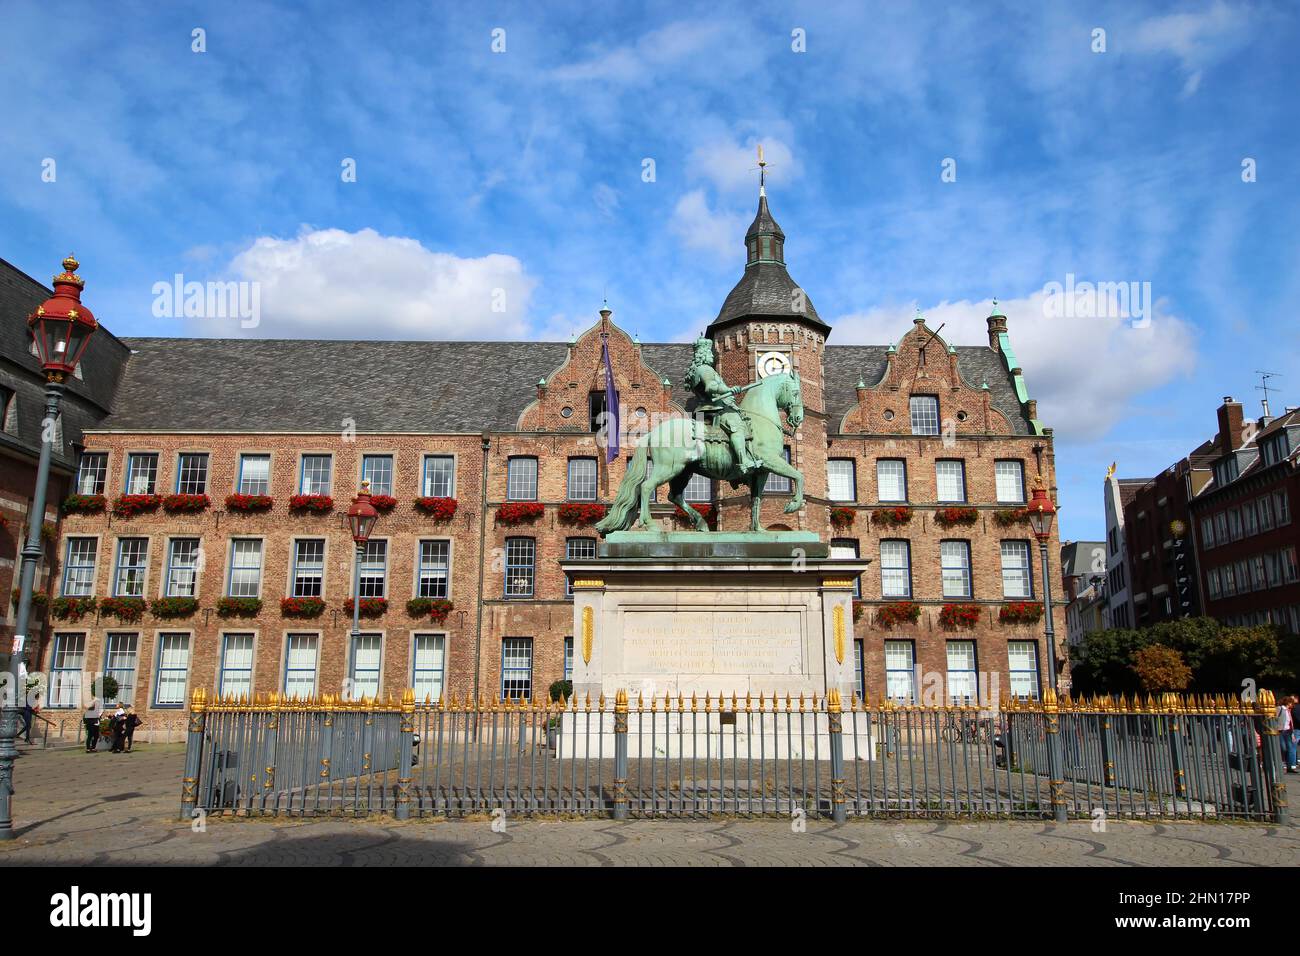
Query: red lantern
[1040,511]
[61,326]
[362,515]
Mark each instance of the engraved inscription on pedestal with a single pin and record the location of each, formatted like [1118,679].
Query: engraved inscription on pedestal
[722,642]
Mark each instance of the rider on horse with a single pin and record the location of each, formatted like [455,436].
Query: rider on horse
[703,379]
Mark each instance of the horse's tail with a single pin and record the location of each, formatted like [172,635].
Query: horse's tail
[628,498]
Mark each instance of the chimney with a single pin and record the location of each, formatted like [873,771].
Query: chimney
[1230,424]
[997,326]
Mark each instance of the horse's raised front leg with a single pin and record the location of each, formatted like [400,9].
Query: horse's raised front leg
[780,466]
[756,498]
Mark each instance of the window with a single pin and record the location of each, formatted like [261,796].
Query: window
[378,470]
[245,567]
[847,548]
[1009,478]
[1248,524]
[568,658]
[954,562]
[365,666]
[315,475]
[1282,507]
[254,474]
[582,479]
[1207,533]
[950,480]
[1234,525]
[521,553]
[1229,580]
[173,670]
[521,479]
[1016,580]
[79,567]
[1273,569]
[67,663]
[1022,668]
[895,569]
[1289,571]
[841,480]
[132,563]
[1221,528]
[596,408]
[374,569]
[1257,572]
[439,476]
[900,670]
[1212,579]
[192,474]
[779,484]
[1265,508]
[700,488]
[435,562]
[119,663]
[925,414]
[891,479]
[1225,471]
[141,474]
[576,549]
[308,568]
[182,567]
[91,472]
[300,666]
[236,676]
[859,670]
[517,668]
[962,680]
[427,664]
[9,409]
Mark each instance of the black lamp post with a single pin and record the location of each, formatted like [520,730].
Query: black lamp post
[61,328]
[1042,512]
[361,520]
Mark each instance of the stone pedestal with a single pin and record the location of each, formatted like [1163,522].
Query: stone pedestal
[713,613]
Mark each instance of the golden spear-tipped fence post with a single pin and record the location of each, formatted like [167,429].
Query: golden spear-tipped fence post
[835,724]
[193,753]
[620,755]
[402,810]
[1055,758]
[1266,711]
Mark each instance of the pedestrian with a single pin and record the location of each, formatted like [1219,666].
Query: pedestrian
[1286,733]
[90,717]
[117,726]
[129,723]
[1295,719]
[31,708]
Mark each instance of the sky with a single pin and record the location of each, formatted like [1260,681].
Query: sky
[462,171]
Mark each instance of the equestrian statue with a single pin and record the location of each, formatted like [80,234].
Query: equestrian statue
[736,435]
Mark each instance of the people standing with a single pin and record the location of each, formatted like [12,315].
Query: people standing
[90,717]
[1286,732]
[31,708]
[117,727]
[129,723]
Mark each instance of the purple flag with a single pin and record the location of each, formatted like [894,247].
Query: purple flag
[611,409]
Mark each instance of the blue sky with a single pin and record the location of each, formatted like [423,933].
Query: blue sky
[523,171]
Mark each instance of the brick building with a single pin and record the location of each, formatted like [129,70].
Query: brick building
[947,433]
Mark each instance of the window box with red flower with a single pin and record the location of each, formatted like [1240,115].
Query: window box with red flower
[517,512]
[952,517]
[186,504]
[128,505]
[705,510]
[440,509]
[302,607]
[893,517]
[581,514]
[125,609]
[370,607]
[316,504]
[72,608]
[383,503]
[173,607]
[859,609]
[900,612]
[39,599]
[49,532]
[249,503]
[239,607]
[1021,612]
[1006,517]
[436,609]
[843,518]
[83,504]
[958,617]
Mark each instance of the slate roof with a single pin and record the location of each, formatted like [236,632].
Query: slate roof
[1076,557]
[245,384]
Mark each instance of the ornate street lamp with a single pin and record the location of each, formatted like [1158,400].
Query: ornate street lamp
[61,328]
[1042,512]
[361,520]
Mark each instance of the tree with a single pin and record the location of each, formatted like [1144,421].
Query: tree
[1101,662]
[1161,669]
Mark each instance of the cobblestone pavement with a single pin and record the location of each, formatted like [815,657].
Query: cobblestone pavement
[75,808]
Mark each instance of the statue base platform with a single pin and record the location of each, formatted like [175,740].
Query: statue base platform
[714,545]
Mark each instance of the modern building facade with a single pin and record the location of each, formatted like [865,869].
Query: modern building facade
[1083,578]
[918,455]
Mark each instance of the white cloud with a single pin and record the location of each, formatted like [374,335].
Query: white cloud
[1085,372]
[1196,38]
[733,166]
[644,61]
[328,283]
[704,228]
[606,199]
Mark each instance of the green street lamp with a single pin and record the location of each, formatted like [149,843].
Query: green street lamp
[1042,512]
[61,328]
[361,520]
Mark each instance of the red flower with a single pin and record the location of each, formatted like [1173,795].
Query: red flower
[440,509]
[705,510]
[370,607]
[1009,516]
[955,516]
[581,514]
[1021,612]
[123,608]
[128,505]
[249,503]
[895,516]
[436,608]
[383,502]
[302,606]
[891,615]
[318,504]
[83,504]
[843,517]
[959,616]
[517,512]
[189,503]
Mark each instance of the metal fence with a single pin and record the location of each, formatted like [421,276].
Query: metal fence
[1176,758]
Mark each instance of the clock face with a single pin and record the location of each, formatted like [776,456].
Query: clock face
[773,363]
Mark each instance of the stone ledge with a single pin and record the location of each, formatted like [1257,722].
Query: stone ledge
[714,545]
